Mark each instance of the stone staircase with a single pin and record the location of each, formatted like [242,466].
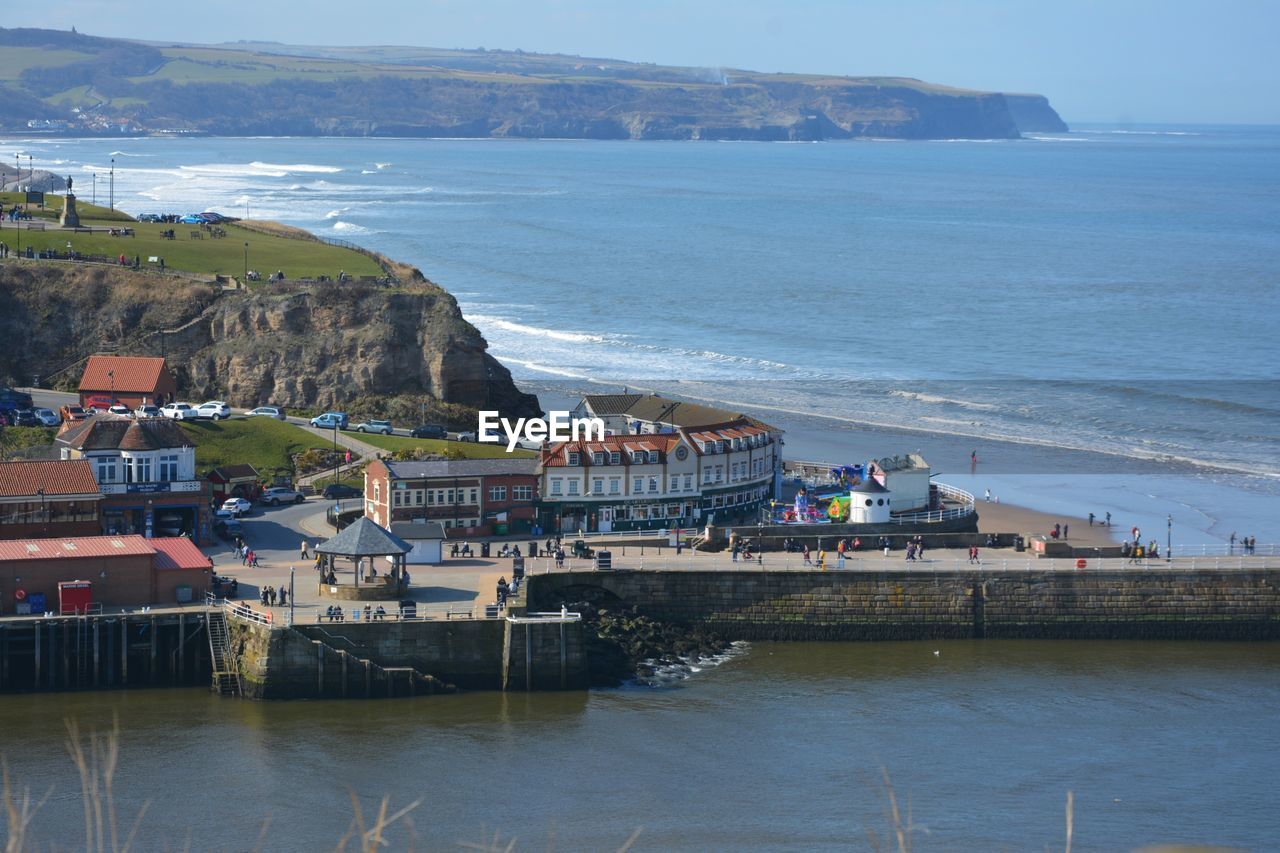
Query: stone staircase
[226,673]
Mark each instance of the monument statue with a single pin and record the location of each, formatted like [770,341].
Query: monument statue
[69,218]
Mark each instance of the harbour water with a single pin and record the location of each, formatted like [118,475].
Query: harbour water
[782,748]
[1073,306]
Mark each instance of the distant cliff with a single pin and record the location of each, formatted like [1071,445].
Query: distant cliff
[299,346]
[1032,114]
[278,90]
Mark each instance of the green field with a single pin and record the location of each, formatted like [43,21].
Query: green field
[265,443]
[460,449]
[206,255]
[14,59]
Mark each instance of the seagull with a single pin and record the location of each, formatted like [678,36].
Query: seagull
[937,653]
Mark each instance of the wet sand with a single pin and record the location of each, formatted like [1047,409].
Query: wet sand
[1007,518]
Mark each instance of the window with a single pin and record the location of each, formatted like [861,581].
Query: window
[377,492]
[449,497]
[473,496]
[395,498]
[418,497]
[653,485]
[575,458]
[169,468]
[138,470]
[637,485]
[654,457]
[555,486]
[106,469]
[597,486]
[637,457]
[615,457]
[522,493]
[497,493]
[431,497]
[597,458]
[573,487]
[615,485]
[675,482]
[707,474]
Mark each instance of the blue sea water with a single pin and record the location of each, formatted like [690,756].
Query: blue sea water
[1110,293]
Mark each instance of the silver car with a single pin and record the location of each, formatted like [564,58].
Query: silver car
[215,409]
[277,495]
[267,412]
[48,417]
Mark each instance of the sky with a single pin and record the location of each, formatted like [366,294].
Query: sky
[1110,61]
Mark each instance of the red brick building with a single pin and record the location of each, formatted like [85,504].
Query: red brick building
[129,380]
[469,497]
[123,571]
[49,499]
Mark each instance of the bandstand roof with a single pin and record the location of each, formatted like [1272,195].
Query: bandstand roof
[363,538]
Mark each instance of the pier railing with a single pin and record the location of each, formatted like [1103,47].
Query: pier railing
[945,492]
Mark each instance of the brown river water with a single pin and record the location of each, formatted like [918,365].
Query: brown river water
[782,747]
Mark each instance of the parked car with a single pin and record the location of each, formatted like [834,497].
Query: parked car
[228,528]
[267,412]
[383,427]
[48,417]
[179,411]
[465,436]
[147,411]
[215,409]
[75,413]
[214,218]
[193,219]
[429,431]
[119,409]
[11,398]
[25,418]
[338,491]
[277,495]
[149,217]
[329,420]
[237,506]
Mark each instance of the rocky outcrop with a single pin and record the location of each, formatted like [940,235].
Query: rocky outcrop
[295,345]
[1032,114]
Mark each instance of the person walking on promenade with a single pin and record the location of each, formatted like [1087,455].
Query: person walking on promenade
[284,597]
[244,556]
[973,555]
[303,549]
[1065,528]
[262,594]
[822,560]
[1108,519]
[253,559]
[1231,547]
[1091,517]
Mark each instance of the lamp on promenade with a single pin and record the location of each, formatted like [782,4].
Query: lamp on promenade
[245,281]
[95,188]
[113,183]
[1168,542]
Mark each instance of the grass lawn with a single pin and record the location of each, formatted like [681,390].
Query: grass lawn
[225,256]
[265,443]
[466,449]
[14,439]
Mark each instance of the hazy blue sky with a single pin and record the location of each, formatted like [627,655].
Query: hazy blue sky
[1096,60]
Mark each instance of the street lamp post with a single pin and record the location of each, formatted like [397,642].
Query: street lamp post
[111,375]
[44,518]
[1168,542]
[113,183]
[244,282]
[95,188]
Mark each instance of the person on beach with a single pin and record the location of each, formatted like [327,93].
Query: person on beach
[303,549]
[1108,519]
[1091,516]
[262,594]
[988,496]
[1231,547]
[1065,528]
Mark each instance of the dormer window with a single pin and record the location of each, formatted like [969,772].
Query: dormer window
[597,458]
[615,457]
[653,457]
[575,458]
[637,457]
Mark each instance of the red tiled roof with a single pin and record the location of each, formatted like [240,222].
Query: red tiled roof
[556,454]
[73,477]
[132,374]
[107,433]
[80,546]
[178,553]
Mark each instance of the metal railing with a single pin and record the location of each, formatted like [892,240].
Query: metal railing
[550,617]
[1266,549]
[418,614]
[243,611]
[945,492]
[779,562]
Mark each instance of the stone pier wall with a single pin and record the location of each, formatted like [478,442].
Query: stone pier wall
[314,661]
[927,605]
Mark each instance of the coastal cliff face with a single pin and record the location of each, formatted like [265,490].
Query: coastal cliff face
[1033,114]
[301,346]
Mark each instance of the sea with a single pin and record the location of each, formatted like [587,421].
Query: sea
[1090,314]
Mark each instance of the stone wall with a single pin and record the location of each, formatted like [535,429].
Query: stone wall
[904,605]
[311,661]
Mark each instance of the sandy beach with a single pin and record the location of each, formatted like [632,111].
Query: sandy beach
[1007,518]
